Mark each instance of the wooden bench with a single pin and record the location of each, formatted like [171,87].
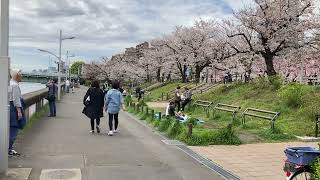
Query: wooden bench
[263,114]
[228,108]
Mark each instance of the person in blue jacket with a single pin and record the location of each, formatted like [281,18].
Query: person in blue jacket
[113,104]
[17,117]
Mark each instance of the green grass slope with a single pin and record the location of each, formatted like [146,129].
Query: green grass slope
[297,104]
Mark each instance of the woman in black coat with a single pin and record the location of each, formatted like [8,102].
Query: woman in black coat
[94,102]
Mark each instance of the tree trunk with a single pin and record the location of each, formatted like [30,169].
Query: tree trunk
[269,64]
[198,71]
[159,75]
[182,73]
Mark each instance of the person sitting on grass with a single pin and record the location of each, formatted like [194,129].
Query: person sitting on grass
[170,111]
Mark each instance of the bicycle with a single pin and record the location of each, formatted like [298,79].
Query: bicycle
[299,162]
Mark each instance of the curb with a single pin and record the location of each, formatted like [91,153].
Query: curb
[211,165]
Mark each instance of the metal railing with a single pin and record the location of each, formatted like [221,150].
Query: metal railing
[267,115]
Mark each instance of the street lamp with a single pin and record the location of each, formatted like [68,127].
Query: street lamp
[68,65]
[4,82]
[60,60]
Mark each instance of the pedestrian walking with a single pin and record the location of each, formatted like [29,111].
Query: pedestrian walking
[67,86]
[187,98]
[113,104]
[17,117]
[72,86]
[52,94]
[177,98]
[94,102]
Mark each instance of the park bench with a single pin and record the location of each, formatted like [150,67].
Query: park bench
[262,114]
[228,108]
[204,104]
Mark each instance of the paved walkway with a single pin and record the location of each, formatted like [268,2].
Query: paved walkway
[251,161]
[136,153]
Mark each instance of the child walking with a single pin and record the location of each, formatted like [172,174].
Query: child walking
[114,101]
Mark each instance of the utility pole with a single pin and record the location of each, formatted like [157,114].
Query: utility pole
[4,83]
[59,67]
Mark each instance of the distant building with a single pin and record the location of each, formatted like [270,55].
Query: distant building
[52,69]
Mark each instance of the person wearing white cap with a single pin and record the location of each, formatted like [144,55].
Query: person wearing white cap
[16,109]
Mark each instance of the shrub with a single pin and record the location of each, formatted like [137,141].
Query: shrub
[316,169]
[165,124]
[311,105]
[226,136]
[175,129]
[127,100]
[276,82]
[292,94]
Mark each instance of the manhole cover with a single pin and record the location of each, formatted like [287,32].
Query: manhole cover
[65,174]
[61,174]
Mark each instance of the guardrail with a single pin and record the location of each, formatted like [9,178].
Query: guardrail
[317,125]
[228,108]
[250,112]
[37,98]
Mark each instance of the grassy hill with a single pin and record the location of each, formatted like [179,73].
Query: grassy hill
[298,105]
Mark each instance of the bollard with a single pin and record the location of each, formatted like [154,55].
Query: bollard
[152,114]
[317,125]
[190,127]
[160,116]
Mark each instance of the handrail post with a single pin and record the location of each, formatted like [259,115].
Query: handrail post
[152,114]
[190,127]
[317,125]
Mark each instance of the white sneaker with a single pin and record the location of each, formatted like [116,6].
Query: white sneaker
[116,131]
[110,133]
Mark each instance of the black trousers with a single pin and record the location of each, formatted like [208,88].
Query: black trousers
[178,104]
[92,123]
[184,103]
[114,117]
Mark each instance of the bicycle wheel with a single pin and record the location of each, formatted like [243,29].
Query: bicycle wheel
[302,175]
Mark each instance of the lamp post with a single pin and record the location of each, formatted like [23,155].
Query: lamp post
[60,60]
[68,65]
[4,82]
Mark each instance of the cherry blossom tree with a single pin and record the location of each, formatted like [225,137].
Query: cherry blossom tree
[272,28]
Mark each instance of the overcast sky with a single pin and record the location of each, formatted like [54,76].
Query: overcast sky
[101,27]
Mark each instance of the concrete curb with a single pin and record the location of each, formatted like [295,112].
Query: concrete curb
[212,166]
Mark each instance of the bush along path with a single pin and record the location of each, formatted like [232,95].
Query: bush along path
[189,132]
